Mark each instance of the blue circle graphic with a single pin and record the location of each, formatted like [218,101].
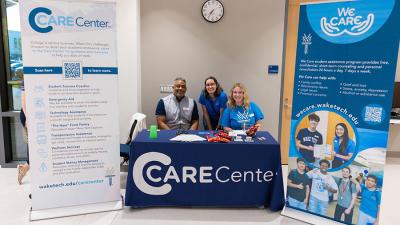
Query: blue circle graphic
[357,140]
[349,21]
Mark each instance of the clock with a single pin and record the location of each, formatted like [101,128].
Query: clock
[212,11]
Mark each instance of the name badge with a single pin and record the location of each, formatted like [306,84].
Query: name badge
[251,115]
[186,108]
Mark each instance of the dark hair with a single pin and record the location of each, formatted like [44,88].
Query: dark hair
[301,160]
[345,138]
[218,89]
[325,161]
[348,168]
[373,177]
[314,117]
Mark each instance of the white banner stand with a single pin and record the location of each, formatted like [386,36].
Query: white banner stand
[75,210]
[307,217]
[70,86]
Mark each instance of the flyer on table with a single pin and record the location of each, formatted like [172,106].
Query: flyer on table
[70,77]
[344,76]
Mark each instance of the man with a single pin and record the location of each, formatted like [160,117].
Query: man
[370,202]
[298,186]
[346,196]
[308,137]
[322,184]
[176,111]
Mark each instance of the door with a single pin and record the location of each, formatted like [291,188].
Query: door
[290,60]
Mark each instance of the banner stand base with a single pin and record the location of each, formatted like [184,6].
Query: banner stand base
[75,210]
[307,217]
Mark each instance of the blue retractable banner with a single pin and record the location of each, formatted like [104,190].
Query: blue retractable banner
[344,76]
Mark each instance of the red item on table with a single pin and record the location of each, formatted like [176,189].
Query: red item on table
[252,131]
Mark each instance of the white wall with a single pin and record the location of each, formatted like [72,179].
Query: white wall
[394,129]
[128,41]
[177,41]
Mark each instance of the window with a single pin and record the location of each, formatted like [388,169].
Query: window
[11,78]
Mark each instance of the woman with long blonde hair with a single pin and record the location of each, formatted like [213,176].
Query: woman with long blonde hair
[240,113]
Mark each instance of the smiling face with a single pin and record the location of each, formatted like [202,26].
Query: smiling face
[238,95]
[301,165]
[345,173]
[339,131]
[211,86]
[179,89]
[313,124]
[370,182]
[323,166]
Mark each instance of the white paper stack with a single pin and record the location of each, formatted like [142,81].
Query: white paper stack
[188,138]
[237,132]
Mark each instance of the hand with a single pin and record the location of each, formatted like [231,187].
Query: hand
[347,211]
[258,126]
[376,222]
[358,187]
[227,129]
[311,148]
[300,186]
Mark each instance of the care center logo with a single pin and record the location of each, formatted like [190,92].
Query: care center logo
[346,22]
[147,171]
[138,178]
[42,20]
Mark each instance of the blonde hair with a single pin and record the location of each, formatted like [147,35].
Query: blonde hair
[246,101]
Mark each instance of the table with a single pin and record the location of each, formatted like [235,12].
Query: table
[236,174]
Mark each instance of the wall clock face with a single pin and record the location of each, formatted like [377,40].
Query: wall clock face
[212,11]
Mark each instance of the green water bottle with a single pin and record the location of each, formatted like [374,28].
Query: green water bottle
[153,131]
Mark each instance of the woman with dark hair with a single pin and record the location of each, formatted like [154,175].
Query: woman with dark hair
[343,146]
[213,102]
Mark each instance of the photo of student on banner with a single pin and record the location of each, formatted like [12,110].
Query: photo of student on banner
[370,201]
[343,145]
[346,196]
[322,184]
[308,137]
[326,135]
[298,190]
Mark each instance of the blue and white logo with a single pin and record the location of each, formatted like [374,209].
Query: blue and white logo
[42,20]
[153,179]
[349,21]
[110,173]
[306,41]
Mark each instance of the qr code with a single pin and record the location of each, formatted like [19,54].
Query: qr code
[373,114]
[72,70]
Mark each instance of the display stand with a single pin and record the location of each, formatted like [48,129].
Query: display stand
[75,210]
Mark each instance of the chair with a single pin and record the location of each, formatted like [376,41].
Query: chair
[136,124]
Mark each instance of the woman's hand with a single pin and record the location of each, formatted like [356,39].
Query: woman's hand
[258,126]
[227,129]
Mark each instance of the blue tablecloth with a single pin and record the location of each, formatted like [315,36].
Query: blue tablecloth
[235,174]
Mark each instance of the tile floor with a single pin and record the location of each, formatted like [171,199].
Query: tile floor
[14,208]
